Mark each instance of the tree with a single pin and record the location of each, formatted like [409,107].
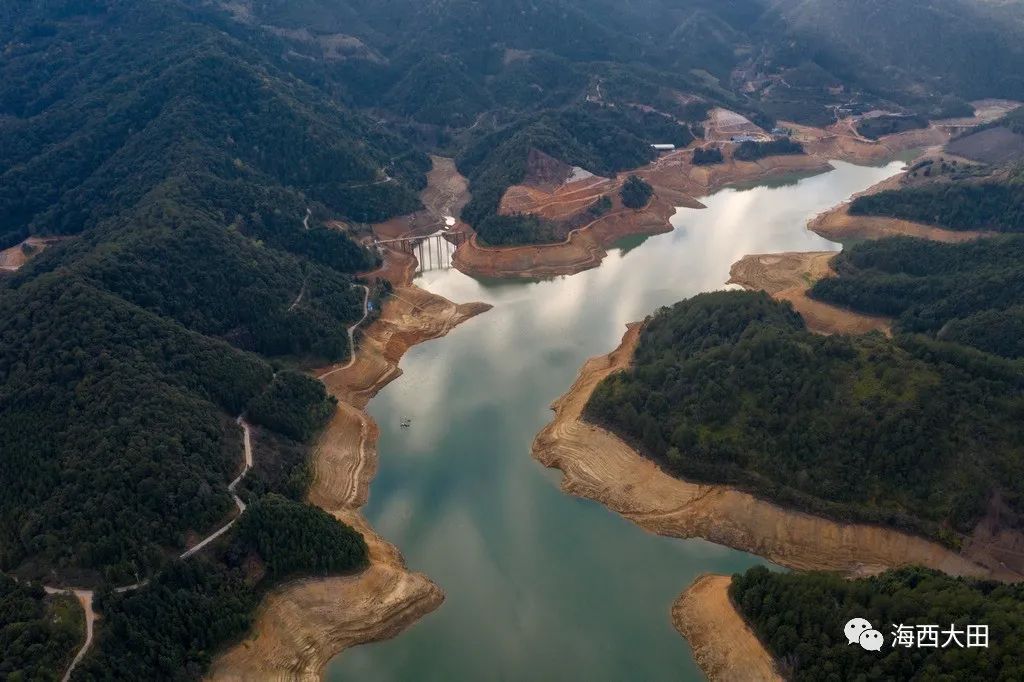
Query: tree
[636,192]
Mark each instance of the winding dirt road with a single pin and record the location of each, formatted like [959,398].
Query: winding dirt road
[351,336]
[300,626]
[247,442]
[84,598]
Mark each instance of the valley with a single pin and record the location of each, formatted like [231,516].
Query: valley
[354,340]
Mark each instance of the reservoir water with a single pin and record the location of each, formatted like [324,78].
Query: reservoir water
[541,585]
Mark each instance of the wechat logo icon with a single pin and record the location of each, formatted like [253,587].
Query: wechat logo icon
[859,631]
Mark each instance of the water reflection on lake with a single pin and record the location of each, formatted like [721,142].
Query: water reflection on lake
[541,585]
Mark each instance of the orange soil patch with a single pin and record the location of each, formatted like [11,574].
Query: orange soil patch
[724,646]
[563,203]
[304,624]
[601,466]
[13,258]
[789,276]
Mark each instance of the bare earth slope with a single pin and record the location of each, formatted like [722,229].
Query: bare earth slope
[788,277]
[676,182]
[584,248]
[14,257]
[705,616]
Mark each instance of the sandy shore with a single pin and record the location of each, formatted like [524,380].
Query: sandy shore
[301,626]
[789,276]
[724,646]
[600,466]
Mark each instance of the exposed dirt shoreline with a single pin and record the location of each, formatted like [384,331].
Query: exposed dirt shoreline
[727,652]
[583,249]
[676,181]
[301,626]
[789,276]
[705,615]
[836,224]
[601,466]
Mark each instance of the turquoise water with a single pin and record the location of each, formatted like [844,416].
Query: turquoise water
[541,585]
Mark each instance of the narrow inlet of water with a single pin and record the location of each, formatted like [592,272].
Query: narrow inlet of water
[541,585]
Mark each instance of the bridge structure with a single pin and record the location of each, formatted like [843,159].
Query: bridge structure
[433,251]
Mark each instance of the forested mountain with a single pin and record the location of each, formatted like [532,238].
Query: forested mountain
[879,44]
[729,387]
[487,82]
[994,203]
[115,428]
[971,293]
[172,627]
[195,152]
[185,163]
[95,107]
[800,619]
[951,46]
[38,632]
[606,141]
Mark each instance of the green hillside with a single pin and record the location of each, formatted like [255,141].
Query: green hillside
[462,75]
[730,387]
[800,619]
[184,163]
